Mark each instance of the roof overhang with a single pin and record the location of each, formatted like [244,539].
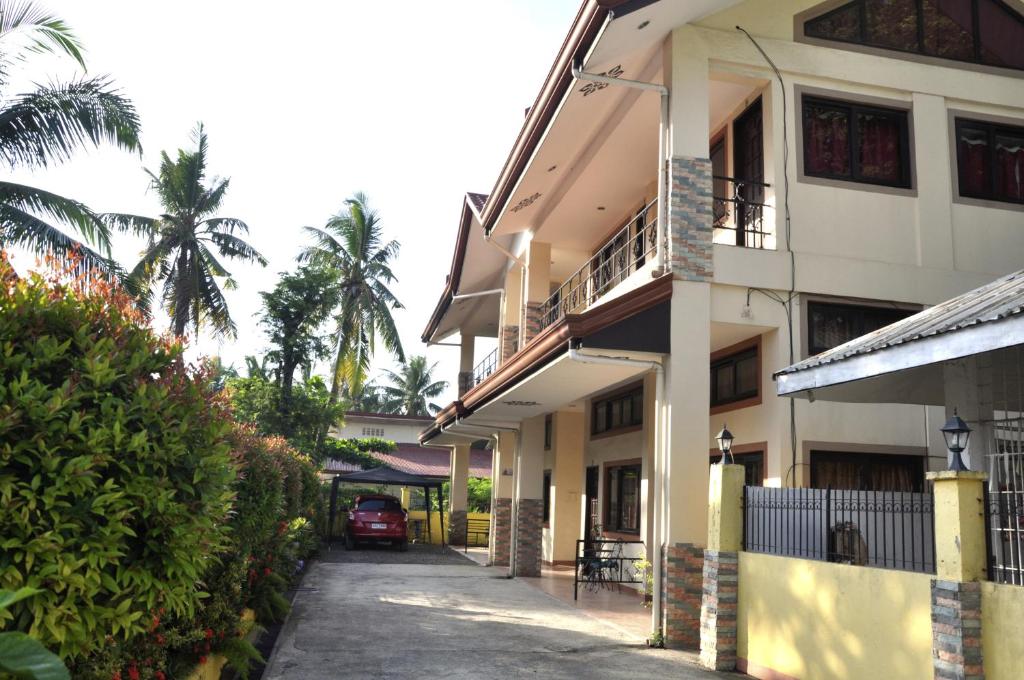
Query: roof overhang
[906,373]
[611,326]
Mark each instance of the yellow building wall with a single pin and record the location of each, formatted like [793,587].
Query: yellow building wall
[811,620]
[1002,644]
[435,526]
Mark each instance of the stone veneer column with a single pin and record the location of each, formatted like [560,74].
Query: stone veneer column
[458,494]
[720,600]
[536,289]
[529,536]
[690,219]
[509,342]
[960,565]
[502,488]
[501,532]
[682,589]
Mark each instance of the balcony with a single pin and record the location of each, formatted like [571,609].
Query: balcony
[485,368]
[738,210]
[626,252]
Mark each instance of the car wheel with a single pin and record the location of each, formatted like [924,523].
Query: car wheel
[349,543]
[403,545]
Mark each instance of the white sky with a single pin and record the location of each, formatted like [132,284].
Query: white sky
[305,103]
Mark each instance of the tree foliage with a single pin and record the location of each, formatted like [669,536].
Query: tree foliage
[115,465]
[185,241]
[412,387]
[46,126]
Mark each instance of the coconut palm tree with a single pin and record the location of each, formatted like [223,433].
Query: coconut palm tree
[351,243]
[412,388]
[44,127]
[183,241]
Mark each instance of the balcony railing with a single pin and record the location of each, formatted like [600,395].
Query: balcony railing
[739,213]
[626,252]
[483,370]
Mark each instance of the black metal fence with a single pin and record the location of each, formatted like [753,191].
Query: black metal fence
[738,210]
[485,368]
[601,563]
[885,529]
[1004,521]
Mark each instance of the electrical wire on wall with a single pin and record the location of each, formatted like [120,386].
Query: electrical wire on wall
[787,301]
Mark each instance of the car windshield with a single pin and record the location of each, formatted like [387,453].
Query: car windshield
[380,504]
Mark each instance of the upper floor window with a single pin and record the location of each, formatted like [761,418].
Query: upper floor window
[735,377]
[830,325]
[986,32]
[619,412]
[856,142]
[990,160]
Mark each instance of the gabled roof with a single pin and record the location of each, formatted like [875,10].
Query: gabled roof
[477,202]
[1000,299]
[425,461]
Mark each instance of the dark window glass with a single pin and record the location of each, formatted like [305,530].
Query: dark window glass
[830,325]
[866,471]
[619,412]
[547,432]
[855,142]
[753,466]
[380,505]
[981,31]
[990,160]
[547,496]
[719,185]
[734,377]
[622,487]
[891,24]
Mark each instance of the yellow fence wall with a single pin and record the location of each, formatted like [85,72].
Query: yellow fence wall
[810,620]
[435,526]
[1002,643]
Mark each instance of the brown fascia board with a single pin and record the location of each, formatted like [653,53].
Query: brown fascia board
[552,341]
[454,276]
[370,415]
[584,30]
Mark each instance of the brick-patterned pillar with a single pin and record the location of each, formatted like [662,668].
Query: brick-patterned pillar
[529,536]
[956,630]
[457,527]
[531,321]
[718,610]
[682,589]
[690,219]
[509,343]
[536,289]
[501,532]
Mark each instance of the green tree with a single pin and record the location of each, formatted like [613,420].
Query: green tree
[44,127]
[351,243]
[182,241]
[294,313]
[412,388]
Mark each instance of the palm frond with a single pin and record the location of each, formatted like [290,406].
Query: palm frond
[26,27]
[136,225]
[67,210]
[22,229]
[234,247]
[48,125]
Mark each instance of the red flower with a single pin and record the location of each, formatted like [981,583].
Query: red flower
[266,571]
[116,675]
[159,639]
[209,633]
[133,673]
[156,623]
[202,659]
[159,675]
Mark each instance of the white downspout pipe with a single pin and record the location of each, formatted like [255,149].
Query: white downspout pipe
[661,246]
[517,464]
[479,293]
[502,249]
[660,457]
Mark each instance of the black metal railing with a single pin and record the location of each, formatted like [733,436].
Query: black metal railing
[738,209]
[485,368]
[631,247]
[1004,518]
[601,563]
[884,529]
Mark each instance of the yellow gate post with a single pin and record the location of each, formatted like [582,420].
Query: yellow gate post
[721,568]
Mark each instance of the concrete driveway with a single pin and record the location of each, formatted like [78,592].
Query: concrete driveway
[455,620]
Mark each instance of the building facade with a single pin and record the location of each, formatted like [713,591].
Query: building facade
[703,193]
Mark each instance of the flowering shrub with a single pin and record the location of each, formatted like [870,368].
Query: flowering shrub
[115,465]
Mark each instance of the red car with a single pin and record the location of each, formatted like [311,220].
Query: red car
[377,517]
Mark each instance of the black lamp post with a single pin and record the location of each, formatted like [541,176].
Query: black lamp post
[724,439]
[957,433]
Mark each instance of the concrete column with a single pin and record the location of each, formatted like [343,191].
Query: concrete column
[968,389]
[721,568]
[536,289]
[406,497]
[934,177]
[566,517]
[687,391]
[457,494]
[502,489]
[466,364]
[511,309]
[960,549]
[529,503]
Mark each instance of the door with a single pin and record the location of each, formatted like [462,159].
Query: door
[748,170]
[591,506]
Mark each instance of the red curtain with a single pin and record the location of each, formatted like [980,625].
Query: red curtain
[973,164]
[1010,168]
[827,141]
[879,147]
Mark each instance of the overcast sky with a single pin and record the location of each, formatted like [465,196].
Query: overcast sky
[306,103]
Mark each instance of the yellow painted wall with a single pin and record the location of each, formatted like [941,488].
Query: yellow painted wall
[811,620]
[435,525]
[1002,644]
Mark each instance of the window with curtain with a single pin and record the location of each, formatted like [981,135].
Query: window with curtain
[830,324]
[855,142]
[622,491]
[735,377]
[989,32]
[990,160]
[866,471]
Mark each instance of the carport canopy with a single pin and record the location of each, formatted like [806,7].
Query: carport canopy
[391,477]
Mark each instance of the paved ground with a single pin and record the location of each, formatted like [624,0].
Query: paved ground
[363,620]
[386,554]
